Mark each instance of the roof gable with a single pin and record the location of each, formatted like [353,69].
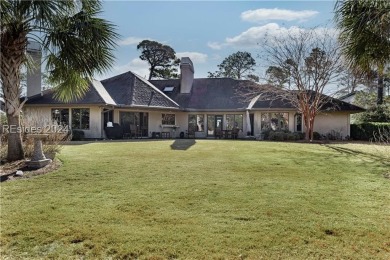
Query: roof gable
[120,88]
[129,89]
[103,92]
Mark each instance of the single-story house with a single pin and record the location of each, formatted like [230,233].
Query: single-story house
[202,107]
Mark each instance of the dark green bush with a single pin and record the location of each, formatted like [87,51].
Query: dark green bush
[366,131]
[299,135]
[377,113]
[77,135]
[277,136]
[265,134]
[316,136]
[282,135]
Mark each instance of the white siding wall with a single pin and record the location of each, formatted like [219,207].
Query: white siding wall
[95,118]
[337,121]
[155,120]
[96,124]
[324,123]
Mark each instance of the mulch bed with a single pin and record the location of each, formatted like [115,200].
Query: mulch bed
[8,170]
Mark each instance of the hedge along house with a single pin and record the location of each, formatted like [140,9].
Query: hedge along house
[200,107]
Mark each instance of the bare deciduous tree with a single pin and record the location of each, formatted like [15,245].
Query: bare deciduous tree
[312,61]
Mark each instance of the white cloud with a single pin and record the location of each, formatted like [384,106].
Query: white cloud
[196,57]
[136,65]
[254,35]
[260,15]
[131,41]
[214,45]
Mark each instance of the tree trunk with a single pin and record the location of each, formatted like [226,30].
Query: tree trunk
[311,127]
[13,55]
[379,100]
[151,71]
[307,127]
[15,147]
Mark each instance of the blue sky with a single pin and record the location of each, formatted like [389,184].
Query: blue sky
[206,31]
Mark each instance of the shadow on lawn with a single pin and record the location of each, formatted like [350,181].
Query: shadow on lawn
[348,151]
[182,144]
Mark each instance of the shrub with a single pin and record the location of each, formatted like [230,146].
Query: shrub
[334,135]
[316,136]
[377,113]
[3,119]
[34,120]
[77,135]
[299,135]
[265,134]
[282,135]
[368,131]
[276,136]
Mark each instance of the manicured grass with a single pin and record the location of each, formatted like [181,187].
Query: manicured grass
[202,199]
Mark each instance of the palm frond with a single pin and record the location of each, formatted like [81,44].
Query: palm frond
[81,43]
[364,32]
[69,88]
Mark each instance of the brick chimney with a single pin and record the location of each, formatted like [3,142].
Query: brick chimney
[186,75]
[34,74]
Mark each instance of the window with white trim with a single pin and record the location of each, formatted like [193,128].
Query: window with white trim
[195,123]
[168,119]
[274,121]
[234,121]
[80,118]
[60,116]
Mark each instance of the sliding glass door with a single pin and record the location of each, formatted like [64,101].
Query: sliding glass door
[214,123]
[134,123]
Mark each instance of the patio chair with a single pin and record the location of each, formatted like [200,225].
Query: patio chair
[218,133]
[135,132]
[235,132]
[190,133]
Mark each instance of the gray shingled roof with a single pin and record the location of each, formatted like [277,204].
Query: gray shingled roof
[125,89]
[223,94]
[332,104]
[103,92]
[206,94]
[91,97]
[131,90]
[128,89]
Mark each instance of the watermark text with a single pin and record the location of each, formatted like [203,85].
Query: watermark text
[47,129]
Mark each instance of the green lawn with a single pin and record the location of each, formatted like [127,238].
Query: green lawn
[202,199]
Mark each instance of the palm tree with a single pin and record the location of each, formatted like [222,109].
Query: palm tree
[76,44]
[365,36]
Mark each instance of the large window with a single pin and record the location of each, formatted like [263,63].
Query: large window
[234,121]
[298,122]
[195,123]
[80,118]
[60,115]
[168,119]
[135,124]
[274,121]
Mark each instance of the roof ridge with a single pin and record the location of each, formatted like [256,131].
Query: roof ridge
[102,92]
[155,88]
[117,76]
